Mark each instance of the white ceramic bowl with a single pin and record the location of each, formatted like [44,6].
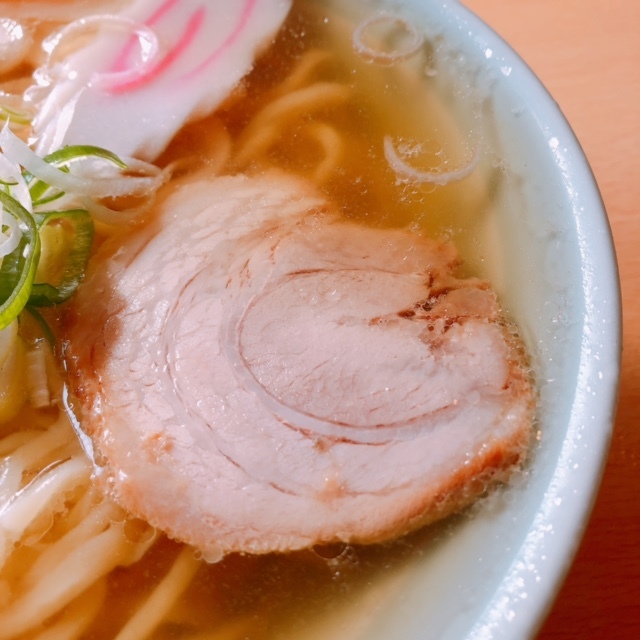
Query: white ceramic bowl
[494,575]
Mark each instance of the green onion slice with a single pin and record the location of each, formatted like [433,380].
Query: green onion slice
[45,294]
[43,193]
[18,269]
[67,155]
[44,326]
[14,116]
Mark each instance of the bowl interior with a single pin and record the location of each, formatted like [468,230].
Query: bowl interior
[493,573]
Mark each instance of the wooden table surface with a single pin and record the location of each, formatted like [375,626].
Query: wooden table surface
[587,53]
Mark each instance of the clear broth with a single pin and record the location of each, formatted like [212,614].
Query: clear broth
[278,596]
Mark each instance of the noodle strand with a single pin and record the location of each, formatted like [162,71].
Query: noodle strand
[39,451]
[78,616]
[74,574]
[321,95]
[95,523]
[304,70]
[331,142]
[44,494]
[165,595]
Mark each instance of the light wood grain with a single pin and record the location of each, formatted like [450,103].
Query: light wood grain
[587,53]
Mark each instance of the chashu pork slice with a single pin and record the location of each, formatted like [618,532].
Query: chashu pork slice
[257,374]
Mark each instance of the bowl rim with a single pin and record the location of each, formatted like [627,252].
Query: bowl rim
[569,499]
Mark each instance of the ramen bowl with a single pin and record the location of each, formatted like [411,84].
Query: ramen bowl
[495,574]
[508,186]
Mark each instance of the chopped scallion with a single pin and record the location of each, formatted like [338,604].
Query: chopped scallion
[46,294]
[19,267]
[44,326]
[36,271]
[42,193]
